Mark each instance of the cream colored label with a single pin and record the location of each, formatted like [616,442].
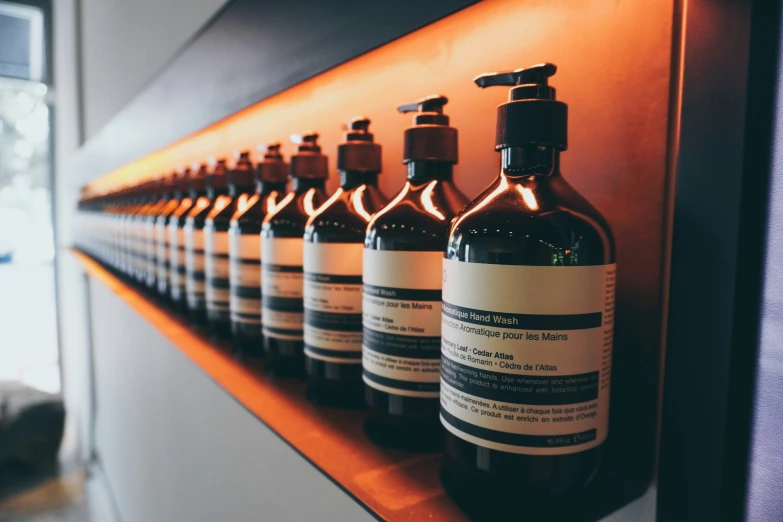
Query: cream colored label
[245,276]
[162,257]
[333,302]
[216,270]
[401,322]
[177,259]
[194,264]
[527,355]
[281,288]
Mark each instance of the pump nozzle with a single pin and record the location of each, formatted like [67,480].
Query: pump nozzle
[307,141]
[308,162]
[538,74]
[431,103]
[272,169]
[430,138]
[531,116]
[358,152]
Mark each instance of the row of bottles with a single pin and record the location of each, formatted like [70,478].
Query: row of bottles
[491,318]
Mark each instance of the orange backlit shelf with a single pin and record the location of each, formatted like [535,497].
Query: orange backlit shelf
[393,485]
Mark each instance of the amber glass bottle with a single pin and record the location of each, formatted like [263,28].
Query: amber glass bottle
[195,184]
[195,275]
[241,189]
[162,247]
[528,310]
[334,241]
[403,257]
[161,194]
[282,246]
[245,254]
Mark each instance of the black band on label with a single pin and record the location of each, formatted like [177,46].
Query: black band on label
[284,304]
[282,331]
[517,439]
[216,282]
[535,390]
[523,321]
[197,251]
[333,279]
[220,256]
[337,354]
[332,321]
[249,262]
[243,315]
[182,270]
[402,385]
[248,292]
[197,276]
[401,345]
[283,268]
[404,294]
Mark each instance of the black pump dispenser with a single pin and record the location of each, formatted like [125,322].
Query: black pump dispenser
[308,162]
[242,175]
[532,246]
[359,153]
[532,115]
[217,180]
[273,169]
[430,138]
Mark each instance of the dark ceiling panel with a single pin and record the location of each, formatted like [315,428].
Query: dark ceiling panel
[249,51]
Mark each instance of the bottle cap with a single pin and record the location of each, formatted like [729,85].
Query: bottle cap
[531,115]
[273,169]
[242,175]
[308,162]
[430,138]
[358,152]
[198,178]
[218,178]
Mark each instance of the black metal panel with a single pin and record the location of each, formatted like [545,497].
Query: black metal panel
[249,51]
[727,87]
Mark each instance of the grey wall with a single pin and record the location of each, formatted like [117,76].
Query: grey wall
[124,43]
[175,446]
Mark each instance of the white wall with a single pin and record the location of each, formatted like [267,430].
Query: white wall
[124,43]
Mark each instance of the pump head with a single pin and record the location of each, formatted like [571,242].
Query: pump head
[430,138]
[218,178]
[242,174]
[359,153]
[273,169]
[308,162]
[531,116]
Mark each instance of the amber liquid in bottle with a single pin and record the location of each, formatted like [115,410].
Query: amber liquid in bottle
[529,216]
[286,357]
[417,220]
[248,340]
[343,220]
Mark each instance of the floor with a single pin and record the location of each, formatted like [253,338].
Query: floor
[74,495]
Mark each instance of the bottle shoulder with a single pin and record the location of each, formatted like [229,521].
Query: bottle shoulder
[344,216]
[290,217]
[418,218]
[536,221]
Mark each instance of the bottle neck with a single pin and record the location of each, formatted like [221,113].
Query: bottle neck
[350,179]
[267,187]
[305,184]
[195,194]
[423,171]
[531,160]
[236,190]
[213,193]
